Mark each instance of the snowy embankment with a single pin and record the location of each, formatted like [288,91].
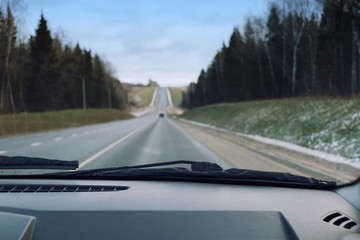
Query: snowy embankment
[327,129]
[169,97]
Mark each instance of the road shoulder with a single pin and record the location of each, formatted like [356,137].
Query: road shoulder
[241,152]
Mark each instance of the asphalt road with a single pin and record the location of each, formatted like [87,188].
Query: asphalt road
[152,139]
[142,140]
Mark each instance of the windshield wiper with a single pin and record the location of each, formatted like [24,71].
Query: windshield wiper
[195,166]
[200,171]
[35,163]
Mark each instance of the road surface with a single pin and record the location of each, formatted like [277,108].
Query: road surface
[142,140]
[152,139]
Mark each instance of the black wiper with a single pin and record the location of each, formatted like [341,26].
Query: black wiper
[36,163]
[199,171]
[195,166]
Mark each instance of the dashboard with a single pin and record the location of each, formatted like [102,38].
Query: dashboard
[112,209]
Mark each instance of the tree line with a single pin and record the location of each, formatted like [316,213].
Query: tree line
[43,74]
[302,48]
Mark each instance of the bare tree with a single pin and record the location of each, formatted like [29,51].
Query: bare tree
[297,27]
[259,37]
[301,11]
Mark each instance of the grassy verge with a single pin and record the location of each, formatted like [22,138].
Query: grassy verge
[328,125]
[26,123]
[176,96]
[146,95]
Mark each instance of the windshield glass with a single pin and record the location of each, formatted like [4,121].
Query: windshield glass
[260,85]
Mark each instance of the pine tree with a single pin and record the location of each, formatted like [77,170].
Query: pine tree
[41,58]
[87,70]
[251,74]
[335,47]
[233,81]
[100,81]
[219,68]
[201,89]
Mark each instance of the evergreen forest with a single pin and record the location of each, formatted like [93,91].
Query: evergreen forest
[43,74]
[302,48]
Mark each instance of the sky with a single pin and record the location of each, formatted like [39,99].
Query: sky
[168,41]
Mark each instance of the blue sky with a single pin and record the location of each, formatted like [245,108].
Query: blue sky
[167,41]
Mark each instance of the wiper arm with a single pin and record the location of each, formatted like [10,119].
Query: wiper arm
[199,171]
[195,166]
[36,163]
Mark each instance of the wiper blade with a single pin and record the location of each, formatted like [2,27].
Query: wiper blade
[195,166]
[199,170]
[19,162]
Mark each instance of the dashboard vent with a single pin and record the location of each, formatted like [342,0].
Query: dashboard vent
[341,220]
[26,188]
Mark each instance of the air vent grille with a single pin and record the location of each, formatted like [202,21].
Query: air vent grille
[26,188]
[341,220]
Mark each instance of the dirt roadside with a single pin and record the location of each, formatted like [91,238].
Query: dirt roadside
[243,152]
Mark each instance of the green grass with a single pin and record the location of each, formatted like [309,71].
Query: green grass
[146,95]
[26,123]
[328,125]
[176,96]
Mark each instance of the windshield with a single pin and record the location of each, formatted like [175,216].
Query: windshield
[271,86]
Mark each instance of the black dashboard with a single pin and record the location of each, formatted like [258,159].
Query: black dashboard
[103,209]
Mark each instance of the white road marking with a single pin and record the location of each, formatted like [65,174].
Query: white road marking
[74,135]
[58,138]
[35,144]
[3,151]
[101,152]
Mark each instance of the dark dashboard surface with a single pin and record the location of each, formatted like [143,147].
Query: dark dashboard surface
[172,210]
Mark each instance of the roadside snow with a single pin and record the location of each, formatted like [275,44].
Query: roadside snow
[169,97]
[171,108]
[154,97]
[287,145]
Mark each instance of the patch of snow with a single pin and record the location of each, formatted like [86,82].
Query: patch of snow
[287,145]
[355,116]
[305,117]
[169,97]
[154,97]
